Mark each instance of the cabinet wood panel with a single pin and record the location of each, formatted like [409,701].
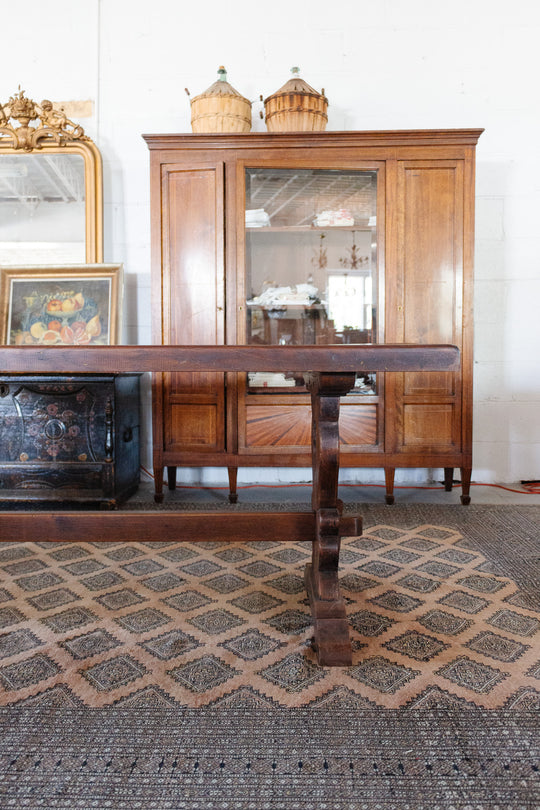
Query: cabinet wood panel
[192,294]
[283,426]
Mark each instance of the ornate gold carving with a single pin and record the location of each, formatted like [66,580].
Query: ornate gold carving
[54,125]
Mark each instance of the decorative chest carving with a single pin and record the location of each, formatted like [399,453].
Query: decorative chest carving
[69,438]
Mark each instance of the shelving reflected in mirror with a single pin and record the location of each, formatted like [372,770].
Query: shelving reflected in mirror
[311,263]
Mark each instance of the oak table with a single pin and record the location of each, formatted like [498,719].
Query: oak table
[329,373]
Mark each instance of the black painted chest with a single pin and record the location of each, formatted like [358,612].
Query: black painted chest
[69,439]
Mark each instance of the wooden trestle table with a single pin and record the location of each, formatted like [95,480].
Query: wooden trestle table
[329,373]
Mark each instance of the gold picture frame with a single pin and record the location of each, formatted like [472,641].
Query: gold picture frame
[61,305]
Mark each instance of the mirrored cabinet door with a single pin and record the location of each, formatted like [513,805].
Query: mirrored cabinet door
[311,262]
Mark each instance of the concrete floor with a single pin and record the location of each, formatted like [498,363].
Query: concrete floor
[350,493]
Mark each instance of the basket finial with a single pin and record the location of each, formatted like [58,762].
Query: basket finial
[222,74]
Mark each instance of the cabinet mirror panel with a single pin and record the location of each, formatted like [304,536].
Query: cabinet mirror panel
[311,262]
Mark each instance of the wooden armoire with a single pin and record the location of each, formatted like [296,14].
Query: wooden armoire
[323,237]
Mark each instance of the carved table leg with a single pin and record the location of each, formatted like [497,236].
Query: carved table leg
[332,642]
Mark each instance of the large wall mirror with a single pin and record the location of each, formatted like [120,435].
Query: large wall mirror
[51,192]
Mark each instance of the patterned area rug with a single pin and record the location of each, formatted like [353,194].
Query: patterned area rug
[434,621]
[180,676]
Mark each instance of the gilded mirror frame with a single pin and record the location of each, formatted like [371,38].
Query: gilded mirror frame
[55,134]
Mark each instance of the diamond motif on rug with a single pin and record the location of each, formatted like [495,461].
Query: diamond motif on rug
[379,568]
[26,566]
[57,697]
[245,698]
[179,553]
[256,602]
[524,599]
[69,552]
[120,599]
[201,568]
[288,555]
[204,674]
[53,599]
[141,567]
[14,552]
[143,620]
[251,645]
[455,555]
[482,584]
[259,569]
[114,673]
[163,582]
[287,583]
[83,567]
[38,582]
[400,555]
[515,623]
[399,602]
[416,645]
[438,569]
[436,698]
[226,583]
[89,644]
[472,675]
[498,647]
[294,673]
[342,698]
[367,544]
[151,697]
[441,622]
[356,583]
[290,622]
[28,672]
[414,582]
[370,624]
[170,645]
[18,641]
[69,619]
[216,621]
[187,600]
[466,602]
[106,579]
[123,553]
[233,554]
[382,675]
[10,616]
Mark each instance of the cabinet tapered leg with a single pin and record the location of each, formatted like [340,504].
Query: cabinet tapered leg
[233,475]
[389,475]
[331,630]
[448,478]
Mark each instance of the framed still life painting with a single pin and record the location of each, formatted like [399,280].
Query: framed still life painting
[61,305]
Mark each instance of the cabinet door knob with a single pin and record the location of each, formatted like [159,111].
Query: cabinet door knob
[128,434]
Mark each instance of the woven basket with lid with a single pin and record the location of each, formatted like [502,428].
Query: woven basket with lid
[221,108]
[296,107]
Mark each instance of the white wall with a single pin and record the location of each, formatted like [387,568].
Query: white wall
[384,64]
